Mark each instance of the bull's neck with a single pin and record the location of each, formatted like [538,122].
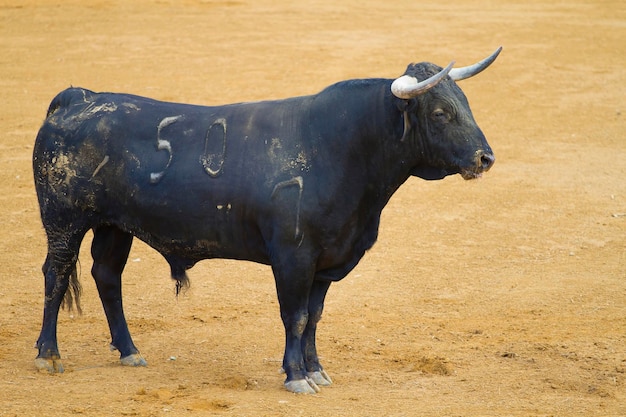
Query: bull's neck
[390,154]
[373,127]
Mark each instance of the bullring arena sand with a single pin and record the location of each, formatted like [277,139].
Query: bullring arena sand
[501,296]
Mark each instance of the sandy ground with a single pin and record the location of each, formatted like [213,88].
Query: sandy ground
[503,296]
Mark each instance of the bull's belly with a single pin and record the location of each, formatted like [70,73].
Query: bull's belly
[195,242]
[184,244]
[196,250]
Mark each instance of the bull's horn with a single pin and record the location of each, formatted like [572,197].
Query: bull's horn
[407,87]
[458,74]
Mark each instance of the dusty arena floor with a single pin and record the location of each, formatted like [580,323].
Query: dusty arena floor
[501,296]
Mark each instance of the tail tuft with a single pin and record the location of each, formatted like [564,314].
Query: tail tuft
[73,293]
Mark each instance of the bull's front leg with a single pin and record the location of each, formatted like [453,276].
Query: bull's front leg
[294,278]
[315,371]
[298,380]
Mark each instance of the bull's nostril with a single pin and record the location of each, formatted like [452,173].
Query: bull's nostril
[487,160]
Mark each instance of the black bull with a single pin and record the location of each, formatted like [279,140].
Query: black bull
[298,184]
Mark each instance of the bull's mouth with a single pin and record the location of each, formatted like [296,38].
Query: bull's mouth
[474,171]
[468,174]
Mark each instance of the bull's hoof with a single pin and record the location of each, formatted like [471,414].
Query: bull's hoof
[53,366]
[320,378]
[134,360]
[302,386]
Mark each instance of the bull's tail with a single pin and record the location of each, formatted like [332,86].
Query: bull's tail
[73,293]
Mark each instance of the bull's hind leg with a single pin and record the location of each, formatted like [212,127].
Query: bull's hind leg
[59,266]
[110,249]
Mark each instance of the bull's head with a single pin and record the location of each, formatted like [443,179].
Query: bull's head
[438,117]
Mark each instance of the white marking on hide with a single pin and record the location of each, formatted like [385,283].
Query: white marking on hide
[62,169]
[300,162]
[100,165]
[299,181]
[274,147]
[164,145]
[227,207]
[130,106]
[168,121]
[93,109]
[208,158]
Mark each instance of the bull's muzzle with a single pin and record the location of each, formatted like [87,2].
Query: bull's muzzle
[483,161]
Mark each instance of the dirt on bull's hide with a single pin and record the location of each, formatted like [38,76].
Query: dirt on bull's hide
[502,296]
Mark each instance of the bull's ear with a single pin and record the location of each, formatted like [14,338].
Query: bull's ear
[402,104]
[406,105]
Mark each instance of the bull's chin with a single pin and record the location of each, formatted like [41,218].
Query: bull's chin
[432,173]
[470,175]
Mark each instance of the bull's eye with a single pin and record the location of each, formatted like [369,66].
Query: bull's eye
[440,115]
